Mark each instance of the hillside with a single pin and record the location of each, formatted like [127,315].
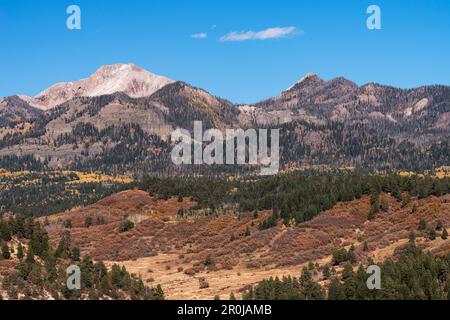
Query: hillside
[198,238]
[165,248]
[13,110]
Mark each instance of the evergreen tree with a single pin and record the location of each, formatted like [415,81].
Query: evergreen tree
[351,254]
[365,246]
[88,222]
[336,290]
[444,235]
[412,237]
[432,234]
[6,254]
[209,261]
[375,201]
[75,254]
[20,253]
[5,231]
[30,256]
[126,226]
[406,199]
[68,224]
[310,290]
[100,220]
[422,225]
[326,272]
[63,249]
[384,206]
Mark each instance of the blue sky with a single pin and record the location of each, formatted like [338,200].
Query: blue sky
[329,38]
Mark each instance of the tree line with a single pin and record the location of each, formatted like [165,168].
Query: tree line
[294,198]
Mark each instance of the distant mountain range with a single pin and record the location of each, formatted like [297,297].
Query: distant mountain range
[120,119]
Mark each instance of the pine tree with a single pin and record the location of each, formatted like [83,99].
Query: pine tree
[68,224]
[310,290]
[100,220]
[336,290]
[384,205]
[126,226]
[20,253]
[326,272]
[30,256]
[351,255]
[92,295]
[116,275]
[375,201]
[396,193]
[6,254]
[406,200]
[365,246]
[75,254]
[232,297]
[422,224]
[444,235]
[209,261]
[5,231]
[432,234]
[63,249]
[105,286]
[88,222]
[412,237]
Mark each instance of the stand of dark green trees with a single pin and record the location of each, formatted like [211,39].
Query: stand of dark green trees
[414,276]
[301,197]
[41,270]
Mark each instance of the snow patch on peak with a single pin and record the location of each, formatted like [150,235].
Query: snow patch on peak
[307,76]
[310,75]
[108,79]
[118,67]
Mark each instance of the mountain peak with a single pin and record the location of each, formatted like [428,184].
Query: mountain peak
[119,67]
[309,77]
[108,79]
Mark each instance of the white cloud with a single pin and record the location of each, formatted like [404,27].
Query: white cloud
[270,33]
[199,36]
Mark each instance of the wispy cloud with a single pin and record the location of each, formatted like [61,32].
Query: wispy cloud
[199,36]
[270,33]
